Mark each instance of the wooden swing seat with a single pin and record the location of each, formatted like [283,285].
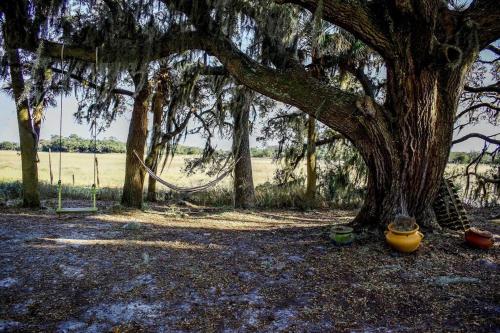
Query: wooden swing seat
[76,210]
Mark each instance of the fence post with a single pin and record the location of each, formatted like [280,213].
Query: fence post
[50,170]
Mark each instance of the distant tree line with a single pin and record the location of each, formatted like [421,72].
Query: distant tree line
[77,144]
[72,144]
[458,157]
[6,145]
[263,152]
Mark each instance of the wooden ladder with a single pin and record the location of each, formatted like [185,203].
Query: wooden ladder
[450,212]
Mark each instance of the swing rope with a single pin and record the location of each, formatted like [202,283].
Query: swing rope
[59,182]
[93,130]
[94,124]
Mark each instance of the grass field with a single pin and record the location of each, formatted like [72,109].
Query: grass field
[112,169]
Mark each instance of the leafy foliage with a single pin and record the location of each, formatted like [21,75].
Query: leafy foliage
[6,145]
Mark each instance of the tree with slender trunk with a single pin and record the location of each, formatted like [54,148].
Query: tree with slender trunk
[136,141]
[311,171]
[157,105]
[27,137]
[154,152]
[168,102]
[244,191]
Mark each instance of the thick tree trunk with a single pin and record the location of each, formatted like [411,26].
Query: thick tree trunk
[406,156]
[244,192]
[312,176]
[136,141]
[27,137]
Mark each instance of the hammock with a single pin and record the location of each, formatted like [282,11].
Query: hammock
[185,189]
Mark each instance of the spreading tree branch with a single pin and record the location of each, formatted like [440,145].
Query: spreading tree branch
[495,87]
[328,61]
[475,107]
[328,140]
[484,179]
[90,84]
[486,14]
[334,107]
[493,49]
[478,135]
[359,18]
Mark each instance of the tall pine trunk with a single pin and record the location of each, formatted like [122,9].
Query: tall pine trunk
[27,137]
[244,192]
[136,141]
[311,171]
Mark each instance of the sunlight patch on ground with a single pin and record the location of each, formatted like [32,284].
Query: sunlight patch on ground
[133,242]
[217,221]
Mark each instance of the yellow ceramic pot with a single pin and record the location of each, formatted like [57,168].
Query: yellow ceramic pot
[403,241]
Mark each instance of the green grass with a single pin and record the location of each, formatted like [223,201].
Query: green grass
[112,170]
[13,190]
[111,173]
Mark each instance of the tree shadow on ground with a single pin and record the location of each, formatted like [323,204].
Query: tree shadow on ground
[233,270]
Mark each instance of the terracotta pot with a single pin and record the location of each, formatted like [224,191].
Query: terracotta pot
[341,235]
[403,241]
[479,238]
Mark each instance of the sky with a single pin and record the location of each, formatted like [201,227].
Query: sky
[119,129]
[50,126]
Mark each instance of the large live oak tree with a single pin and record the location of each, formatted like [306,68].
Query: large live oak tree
[428,48]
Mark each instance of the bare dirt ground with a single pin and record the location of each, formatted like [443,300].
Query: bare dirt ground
[188,269]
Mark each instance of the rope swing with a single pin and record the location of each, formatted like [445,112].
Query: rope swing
[93,208]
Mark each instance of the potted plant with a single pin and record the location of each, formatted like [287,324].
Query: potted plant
[341,235]
[479,238]
[403,234]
